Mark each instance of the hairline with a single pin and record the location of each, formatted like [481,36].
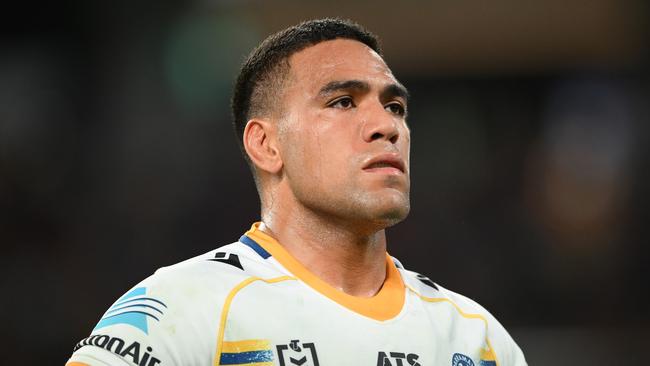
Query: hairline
[266,72]
[283,69]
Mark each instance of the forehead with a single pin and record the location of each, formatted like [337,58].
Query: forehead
[339,59]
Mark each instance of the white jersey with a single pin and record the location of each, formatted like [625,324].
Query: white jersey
[251,303]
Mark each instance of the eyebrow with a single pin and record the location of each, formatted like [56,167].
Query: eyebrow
[391,90]
[395,90]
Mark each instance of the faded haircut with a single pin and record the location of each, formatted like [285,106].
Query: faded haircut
[265,70]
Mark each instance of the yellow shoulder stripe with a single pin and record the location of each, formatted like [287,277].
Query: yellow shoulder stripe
[226,309]
[245,345]
[487,354]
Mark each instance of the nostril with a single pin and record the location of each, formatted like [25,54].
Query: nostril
[393,138]
[376,136]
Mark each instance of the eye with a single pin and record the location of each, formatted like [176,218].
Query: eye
[342,103]
[396,108]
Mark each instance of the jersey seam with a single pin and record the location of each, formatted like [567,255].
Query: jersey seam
[462,313]
[226,308]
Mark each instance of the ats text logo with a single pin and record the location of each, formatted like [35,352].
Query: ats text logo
[397,359]
[296,353]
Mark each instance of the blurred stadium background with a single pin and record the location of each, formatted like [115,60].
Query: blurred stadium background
[529,157]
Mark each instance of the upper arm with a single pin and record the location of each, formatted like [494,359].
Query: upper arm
[505,347]
[165,320]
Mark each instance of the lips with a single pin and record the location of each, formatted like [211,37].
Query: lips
[386,161]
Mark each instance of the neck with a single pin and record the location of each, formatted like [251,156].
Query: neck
[352,262]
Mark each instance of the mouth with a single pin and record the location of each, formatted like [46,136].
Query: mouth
[388,163]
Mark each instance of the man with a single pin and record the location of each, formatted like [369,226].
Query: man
[322,122]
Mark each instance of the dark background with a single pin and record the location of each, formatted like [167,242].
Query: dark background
[529,157]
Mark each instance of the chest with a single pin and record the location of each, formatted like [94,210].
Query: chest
[291,324]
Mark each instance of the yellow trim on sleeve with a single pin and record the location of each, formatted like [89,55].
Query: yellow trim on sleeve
[386,304]
[75,364]
[226,308]
[489,352]
[246,346]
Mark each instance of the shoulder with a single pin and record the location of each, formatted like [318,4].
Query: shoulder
[428,291]
[207,278]
[174,314]
[230,262]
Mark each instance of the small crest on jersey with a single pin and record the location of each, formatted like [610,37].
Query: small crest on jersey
[133,309]
[297,353]
[459,359]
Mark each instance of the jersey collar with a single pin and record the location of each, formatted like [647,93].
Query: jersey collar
[386,304]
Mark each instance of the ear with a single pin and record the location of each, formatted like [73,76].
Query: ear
[260,144]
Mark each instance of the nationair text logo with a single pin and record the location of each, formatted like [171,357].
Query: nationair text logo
[133,309]
[132,352]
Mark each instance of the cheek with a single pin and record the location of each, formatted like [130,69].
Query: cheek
[301,149]
[320,148]
[320,154]
[405,143]
[336,142]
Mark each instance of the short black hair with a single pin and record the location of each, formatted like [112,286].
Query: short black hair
[265,69]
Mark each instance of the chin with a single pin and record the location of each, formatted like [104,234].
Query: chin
[394,216]
[391,211]
[365,211]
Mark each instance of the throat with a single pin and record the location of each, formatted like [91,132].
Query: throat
[353,265]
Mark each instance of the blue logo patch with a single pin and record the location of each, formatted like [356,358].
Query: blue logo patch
[133,309]
[459,359]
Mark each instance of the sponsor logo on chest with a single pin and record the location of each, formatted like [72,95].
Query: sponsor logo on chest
[397,359]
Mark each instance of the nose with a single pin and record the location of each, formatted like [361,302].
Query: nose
[381,125]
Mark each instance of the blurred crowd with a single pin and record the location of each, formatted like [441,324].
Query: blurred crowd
[117,157]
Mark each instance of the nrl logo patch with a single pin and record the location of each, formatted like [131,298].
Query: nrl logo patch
[296,353]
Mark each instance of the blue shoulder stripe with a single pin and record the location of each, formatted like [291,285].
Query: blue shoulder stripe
[246,357]
[253,245]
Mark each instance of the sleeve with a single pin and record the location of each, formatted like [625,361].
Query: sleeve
[164,320]
[506,350]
